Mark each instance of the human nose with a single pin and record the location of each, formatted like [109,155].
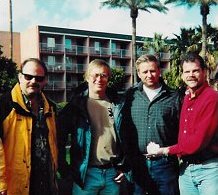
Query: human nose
[191,73]
[149,74]
[33,80]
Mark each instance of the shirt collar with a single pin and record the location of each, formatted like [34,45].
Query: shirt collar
[197,92]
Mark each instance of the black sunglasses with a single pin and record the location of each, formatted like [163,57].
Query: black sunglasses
[29,77]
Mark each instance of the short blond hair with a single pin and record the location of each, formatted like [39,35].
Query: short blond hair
[96,63]
[146,58]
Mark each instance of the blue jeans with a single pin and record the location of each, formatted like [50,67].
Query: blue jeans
[98,182]
[164,175]
[199,179]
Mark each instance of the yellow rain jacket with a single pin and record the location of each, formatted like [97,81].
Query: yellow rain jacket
[15,142]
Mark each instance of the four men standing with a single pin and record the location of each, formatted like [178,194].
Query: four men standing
[107,132]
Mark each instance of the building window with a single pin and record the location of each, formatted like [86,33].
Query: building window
[113,47]
[68,63]
[97,46]
[51,60]
[68,44]
[113,63]
[51,42]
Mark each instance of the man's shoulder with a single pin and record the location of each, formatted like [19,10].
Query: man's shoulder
[133,88]
[210,93]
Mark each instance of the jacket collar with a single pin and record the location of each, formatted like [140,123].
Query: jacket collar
[19,103]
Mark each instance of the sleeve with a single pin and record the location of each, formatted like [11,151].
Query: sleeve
[128,131]
[63,130]
[204,131]
[3,184]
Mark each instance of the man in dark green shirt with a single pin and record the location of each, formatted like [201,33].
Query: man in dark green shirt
[151,115]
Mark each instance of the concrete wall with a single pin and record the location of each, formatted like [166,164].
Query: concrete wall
[5,40]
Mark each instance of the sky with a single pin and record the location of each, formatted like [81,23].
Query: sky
[88,15]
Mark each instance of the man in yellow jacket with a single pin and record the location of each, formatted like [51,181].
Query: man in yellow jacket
[28,148]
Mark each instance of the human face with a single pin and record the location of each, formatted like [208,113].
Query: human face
[193,75]
[31,79]
[149,74]
[98,80]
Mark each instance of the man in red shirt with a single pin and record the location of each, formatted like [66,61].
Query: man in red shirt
[198,134]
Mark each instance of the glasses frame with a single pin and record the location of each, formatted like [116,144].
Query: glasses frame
[29,77]
[101,75]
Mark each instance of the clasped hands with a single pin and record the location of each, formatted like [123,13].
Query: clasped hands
[154,150]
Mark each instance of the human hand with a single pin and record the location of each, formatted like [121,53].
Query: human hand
[119,177]
[152,148]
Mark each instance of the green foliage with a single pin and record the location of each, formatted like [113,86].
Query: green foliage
[157,45]
[117,78]
[173,77]
[60,105]
[190,40]
[8,73]
[134,6]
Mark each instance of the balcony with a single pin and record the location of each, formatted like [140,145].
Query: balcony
[165,56]
[76,50]
[76,68]
[57,49]
[71,84]
[55,86]
[101,51]
[121,53]
[57,67]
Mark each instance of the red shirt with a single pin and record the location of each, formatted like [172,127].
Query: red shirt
[198,131]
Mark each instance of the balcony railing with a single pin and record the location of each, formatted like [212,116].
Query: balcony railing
[71,84]
[57,67]
[76,68]
[57,48]
[121,53]
[164,56]
[76,49]
[85,50]
[55,85]
[101,51]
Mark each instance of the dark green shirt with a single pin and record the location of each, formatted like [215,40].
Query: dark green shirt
[151,121]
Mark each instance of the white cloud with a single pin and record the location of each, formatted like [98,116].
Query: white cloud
[4,16]
[87,15]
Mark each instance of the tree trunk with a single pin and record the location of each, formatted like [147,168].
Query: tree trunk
[133,14]
[204,12]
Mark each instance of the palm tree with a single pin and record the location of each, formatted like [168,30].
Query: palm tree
[158,45]
[204,10]
[134,6]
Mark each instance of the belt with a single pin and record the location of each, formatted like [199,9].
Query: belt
[105,166]
[195,160]
[155,158]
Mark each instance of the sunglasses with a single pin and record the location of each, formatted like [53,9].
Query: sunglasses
[29,77]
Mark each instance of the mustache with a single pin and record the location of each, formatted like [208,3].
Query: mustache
[191,78]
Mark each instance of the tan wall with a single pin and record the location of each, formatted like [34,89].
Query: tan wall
[29,43]
[5,40]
